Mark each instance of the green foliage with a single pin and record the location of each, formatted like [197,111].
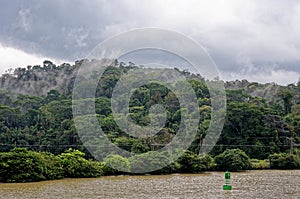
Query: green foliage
[284,161]
[255,129]
[207,162]
[139,147]
[21,165]
[260,164]
[148,161]
[10,117]
[116,164]
[171,168]
[53,166]
[233,160]
[287,97]
[192,163]
[257,125]
[75,165]
[237,96]
[42,120]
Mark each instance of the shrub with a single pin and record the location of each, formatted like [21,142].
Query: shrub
[116,164]
[151,161]
[172,166]
[75,165]
[53,167]
[233,160]
[207,162]
[192,163]
[260,164]
[284,161]
[21,165]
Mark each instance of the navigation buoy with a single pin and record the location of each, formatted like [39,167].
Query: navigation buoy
[227,185]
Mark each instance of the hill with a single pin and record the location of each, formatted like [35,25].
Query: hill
[36,112]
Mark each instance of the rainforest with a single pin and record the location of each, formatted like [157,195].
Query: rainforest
[39,141]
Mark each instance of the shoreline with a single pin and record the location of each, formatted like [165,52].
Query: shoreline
[154,175]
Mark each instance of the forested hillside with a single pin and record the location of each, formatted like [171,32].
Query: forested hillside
[36,112]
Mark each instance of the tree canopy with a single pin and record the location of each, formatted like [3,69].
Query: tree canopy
[36,113]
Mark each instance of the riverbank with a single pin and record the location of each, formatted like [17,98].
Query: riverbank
[22,165]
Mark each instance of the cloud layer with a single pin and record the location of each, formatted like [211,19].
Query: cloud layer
[245,38]
[12,58]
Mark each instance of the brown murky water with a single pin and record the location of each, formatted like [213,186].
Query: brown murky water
[252,184]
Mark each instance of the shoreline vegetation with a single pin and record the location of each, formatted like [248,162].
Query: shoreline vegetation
[39,139]
[22,165]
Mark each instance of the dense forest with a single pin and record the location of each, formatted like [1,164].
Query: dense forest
[262,120]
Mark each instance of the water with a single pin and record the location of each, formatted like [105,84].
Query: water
[252,184]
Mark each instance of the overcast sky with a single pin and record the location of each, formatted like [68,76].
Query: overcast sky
[255,39]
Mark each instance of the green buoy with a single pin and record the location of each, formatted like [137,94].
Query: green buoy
[227,185]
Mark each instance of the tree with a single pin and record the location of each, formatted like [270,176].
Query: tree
[287,97]
[51,96]
[251,128]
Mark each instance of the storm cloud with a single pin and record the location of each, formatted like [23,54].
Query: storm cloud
[257,40]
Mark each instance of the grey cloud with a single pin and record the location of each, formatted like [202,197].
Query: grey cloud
[62,29]
[241,36]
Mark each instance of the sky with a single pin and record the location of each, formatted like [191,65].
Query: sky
[256,40]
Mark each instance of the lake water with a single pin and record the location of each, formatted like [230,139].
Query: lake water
[251,184]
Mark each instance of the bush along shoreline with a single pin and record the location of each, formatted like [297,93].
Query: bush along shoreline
[23,165]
